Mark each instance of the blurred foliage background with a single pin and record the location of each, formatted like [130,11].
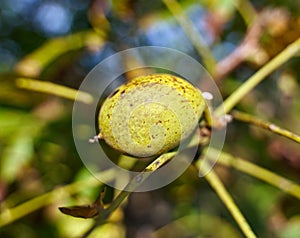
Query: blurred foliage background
[61,41]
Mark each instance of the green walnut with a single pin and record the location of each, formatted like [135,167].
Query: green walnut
[150,114]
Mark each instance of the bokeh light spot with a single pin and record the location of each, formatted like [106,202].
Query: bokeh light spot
[53,19]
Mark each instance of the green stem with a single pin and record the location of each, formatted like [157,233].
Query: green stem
[246,87]
[258,172]
[132,185]
[244,117]
[35,62]
[12,214]
[54,89]
[194,36]
[214,181]
[246,10]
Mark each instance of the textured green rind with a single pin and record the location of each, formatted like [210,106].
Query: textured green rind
[150,114]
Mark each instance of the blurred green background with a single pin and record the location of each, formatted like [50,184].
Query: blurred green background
[61,41]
